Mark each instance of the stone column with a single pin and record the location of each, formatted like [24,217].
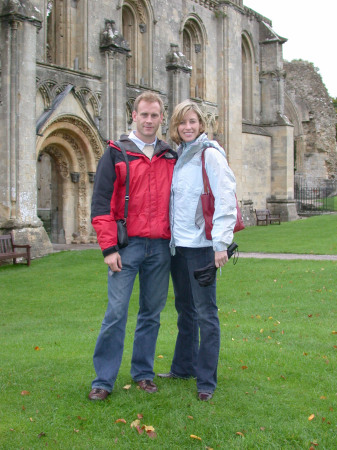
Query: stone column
[179,73]
[20,21]
[272,79]
[115,50]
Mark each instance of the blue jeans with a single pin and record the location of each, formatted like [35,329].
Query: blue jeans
[197,311]
[151,259]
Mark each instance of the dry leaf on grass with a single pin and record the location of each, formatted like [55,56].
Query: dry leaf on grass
[193,436]
[120,421]
[135,423]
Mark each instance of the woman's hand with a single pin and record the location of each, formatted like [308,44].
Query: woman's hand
[221,258]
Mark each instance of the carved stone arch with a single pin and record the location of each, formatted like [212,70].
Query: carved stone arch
[74,148]
[194,39]
[248,58]
[91,101]
[211,125]
[45,92]
[129,109]
[137,29]
[294,116]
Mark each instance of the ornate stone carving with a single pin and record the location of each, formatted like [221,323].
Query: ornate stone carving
[112,39]
[175,60]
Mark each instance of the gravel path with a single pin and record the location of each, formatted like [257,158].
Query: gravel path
[62,247]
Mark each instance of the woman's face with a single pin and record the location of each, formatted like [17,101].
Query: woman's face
[189,127]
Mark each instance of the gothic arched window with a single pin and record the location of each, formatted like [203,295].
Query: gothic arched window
[194,50]
[66,34]
[137,31]
[247,79]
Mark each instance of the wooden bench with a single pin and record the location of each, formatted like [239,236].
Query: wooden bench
[263,217]
[8,249]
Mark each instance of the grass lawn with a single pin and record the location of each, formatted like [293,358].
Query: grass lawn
[277,386]
[314,235]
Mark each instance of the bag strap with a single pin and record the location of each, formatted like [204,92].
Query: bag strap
[207,186]
[121,146]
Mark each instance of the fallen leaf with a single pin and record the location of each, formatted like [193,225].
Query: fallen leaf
[193,436]
[120,421]
[135,423]
[160,356]
[37,348]
[148,428]
[244,367]
[140,416]
[311,417]
[190,417]
[334,332]
[127,387]
[262,428]
[76,431]
[41,434]
[139,429]
[25,393]
[31,419]
[151,434]
[240,434]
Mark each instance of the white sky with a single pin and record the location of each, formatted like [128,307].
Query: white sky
[310,28]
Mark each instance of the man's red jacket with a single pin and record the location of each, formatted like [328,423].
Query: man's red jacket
[149,193]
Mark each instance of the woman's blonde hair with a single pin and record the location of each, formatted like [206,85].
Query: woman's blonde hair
[178,115]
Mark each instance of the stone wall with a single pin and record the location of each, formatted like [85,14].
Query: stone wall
[310,108]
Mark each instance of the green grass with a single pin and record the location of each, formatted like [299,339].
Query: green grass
[331,203]
[277,364]
[314,235]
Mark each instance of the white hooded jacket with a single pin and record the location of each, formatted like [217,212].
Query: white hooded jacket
[186,217]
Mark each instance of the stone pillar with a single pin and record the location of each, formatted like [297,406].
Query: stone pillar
[282,172]
[272,75]
[20,21]
[272,79]
[179,73]
[115,50]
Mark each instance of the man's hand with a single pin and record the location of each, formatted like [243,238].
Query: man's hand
[221,258]
[114,261]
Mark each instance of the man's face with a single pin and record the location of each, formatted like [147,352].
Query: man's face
[148,118]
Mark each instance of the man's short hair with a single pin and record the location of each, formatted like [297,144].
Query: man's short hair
[150,97]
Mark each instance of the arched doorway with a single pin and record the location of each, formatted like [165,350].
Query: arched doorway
[67,156]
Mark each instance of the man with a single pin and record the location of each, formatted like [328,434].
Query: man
[151,163]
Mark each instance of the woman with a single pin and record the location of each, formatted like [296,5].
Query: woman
[196,305]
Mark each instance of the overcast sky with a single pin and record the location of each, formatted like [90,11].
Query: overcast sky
[311,30]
